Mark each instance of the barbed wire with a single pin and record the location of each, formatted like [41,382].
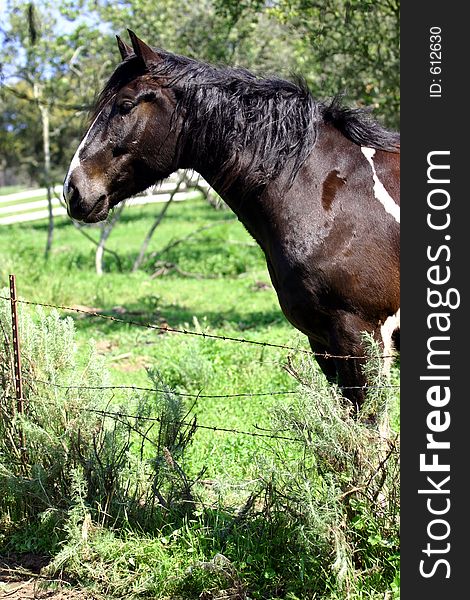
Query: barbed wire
[167,329]
[197,394]
[122,415]
[117,415]
[136,388]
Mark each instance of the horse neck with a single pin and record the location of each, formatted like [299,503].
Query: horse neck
[244,200]
[213,164]
[241,178]
[235,188]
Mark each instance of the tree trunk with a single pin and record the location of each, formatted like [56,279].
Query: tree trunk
[44,110]
[105,233]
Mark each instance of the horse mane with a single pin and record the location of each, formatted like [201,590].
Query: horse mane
[358,126]
[259,126]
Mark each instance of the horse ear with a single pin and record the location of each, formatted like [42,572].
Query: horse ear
[142,50]
[124,48]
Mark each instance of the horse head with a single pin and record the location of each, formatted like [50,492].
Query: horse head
[132,140]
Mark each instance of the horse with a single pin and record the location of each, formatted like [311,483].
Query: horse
[315,183]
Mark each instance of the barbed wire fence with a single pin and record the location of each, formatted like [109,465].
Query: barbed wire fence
[19,381]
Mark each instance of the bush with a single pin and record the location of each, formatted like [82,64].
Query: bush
[71,434]
[340,498]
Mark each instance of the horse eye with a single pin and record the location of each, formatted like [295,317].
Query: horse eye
[126,106]
[119,151]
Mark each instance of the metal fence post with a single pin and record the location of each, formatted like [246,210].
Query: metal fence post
[17,360]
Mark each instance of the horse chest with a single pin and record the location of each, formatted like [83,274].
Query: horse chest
[336,262]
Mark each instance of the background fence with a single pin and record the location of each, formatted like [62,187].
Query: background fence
[32,205]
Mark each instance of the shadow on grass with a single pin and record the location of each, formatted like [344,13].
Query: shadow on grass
[140,314]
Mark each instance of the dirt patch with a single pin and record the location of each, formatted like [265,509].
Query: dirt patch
[21,579]
[105,346]
[129,364]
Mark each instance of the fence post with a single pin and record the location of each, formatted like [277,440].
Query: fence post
[17,361]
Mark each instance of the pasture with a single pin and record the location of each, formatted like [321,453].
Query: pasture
[204,274]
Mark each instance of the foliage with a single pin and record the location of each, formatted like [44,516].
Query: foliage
[321,520]
[36,477]
[65,437]
[339,46]
[342,498]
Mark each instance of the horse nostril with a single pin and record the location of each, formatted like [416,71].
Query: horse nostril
[70,194]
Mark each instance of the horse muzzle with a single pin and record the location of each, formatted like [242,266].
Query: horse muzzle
[88,203]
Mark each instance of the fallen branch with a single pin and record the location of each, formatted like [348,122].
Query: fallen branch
[174,243]
[166,267]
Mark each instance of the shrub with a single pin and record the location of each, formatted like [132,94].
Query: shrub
[339,497]
[71,433]
[35,480]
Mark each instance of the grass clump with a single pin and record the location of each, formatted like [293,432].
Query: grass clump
[39,447]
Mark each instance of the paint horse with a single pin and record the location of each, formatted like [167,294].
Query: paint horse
[316,185]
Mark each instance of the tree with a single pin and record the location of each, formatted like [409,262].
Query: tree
[52,65]
[350,46]
[41,73]
[25,23]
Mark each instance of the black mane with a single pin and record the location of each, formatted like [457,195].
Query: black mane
[258,126]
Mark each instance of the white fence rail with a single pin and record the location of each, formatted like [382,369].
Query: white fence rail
[12,210]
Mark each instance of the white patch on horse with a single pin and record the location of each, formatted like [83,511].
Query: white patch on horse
[76,159]
[391,324]
[379,190]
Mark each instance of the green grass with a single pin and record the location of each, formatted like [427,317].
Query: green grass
[221,287]
[229,295]
[10,189]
